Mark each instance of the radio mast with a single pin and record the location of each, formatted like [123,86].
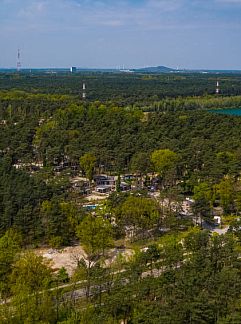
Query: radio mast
[18,61]
[84,91]
[217,88]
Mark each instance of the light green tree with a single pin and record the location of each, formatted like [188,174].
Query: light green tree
[30,282]
[138,213]
[31,274]
[95,234]
[164,160]
[9,249]
[165,163]
[204,198]
[226,193]
[87,164]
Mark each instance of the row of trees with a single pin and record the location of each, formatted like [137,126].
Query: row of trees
[194,103]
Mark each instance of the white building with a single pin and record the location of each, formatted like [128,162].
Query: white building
[73,69]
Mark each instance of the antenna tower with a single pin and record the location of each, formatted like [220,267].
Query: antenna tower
[217,88]
[84,91]
[19,61]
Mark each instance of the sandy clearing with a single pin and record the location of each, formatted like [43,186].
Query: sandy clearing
[67,257]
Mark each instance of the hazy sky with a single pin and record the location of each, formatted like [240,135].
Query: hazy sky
[110,33]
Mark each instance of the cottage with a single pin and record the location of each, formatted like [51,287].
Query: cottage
[128,177]
[103,189]
[104,180]
[125,186]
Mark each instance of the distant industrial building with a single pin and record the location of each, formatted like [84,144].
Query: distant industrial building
[73,69]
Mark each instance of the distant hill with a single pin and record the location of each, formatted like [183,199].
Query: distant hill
[154,69]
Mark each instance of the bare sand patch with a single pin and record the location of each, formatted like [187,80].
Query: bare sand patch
[67,257]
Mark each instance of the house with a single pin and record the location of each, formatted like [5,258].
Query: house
[125,186]
[103,189]
[128,177]
[104,180]
[81,186]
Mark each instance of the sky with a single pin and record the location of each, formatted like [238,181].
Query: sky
[192,34]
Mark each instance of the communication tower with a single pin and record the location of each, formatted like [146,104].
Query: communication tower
[217,88]
[84,91]
[18,61]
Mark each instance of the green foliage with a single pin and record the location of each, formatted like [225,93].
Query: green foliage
[203,192]
[140,163]
[165,164]
[203,196]
[59,221]
[164,160]
[30,274]
[56,242]
[138,213]
[30,280]
[189,278]
[20,195]
[62,275]
[226,193]
[95,234]
[10,244]
[227,163]
[157,92]
[87,163]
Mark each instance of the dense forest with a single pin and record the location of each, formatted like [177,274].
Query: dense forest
[123,88]
[158,134]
